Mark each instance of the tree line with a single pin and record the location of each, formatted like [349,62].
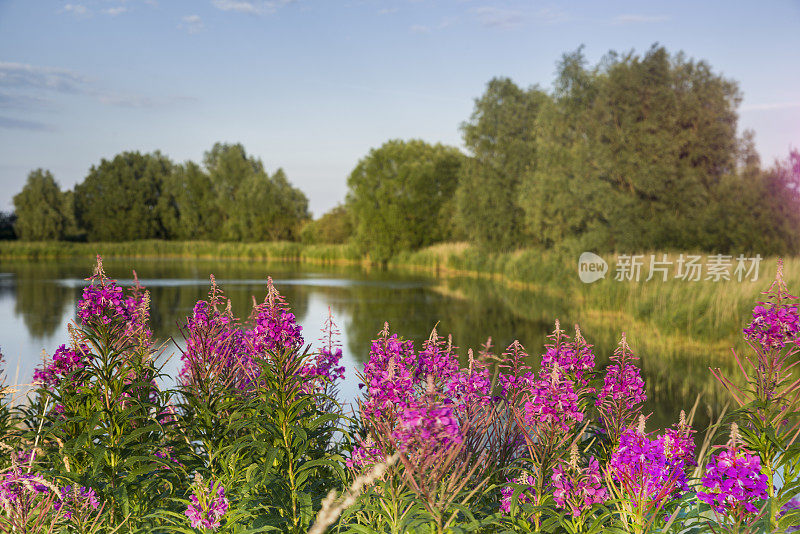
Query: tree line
[635,153]
[638,152]
[146,196]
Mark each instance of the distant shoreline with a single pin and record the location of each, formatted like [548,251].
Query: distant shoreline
[684,315]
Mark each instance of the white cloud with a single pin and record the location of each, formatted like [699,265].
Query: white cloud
[495,17]
[76,9]
[237,6]
[20,75]
[191,23]
[419,28]
[388,11]
[114,11]
[28,78]
[20,101]
[251,8]
[639,19]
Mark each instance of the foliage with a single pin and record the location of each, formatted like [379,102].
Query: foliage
[638,152]
[40,209]
[250,204]
[634,139]
[7,221]
[334,227]
[119,199]
[252,438]
[502,138]
[398,196]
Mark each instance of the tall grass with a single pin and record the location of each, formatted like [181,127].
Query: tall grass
[688,313]
[153,248]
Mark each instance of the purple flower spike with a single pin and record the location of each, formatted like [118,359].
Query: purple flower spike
[208,505]
[733,482]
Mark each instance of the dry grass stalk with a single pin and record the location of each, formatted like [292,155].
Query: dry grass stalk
[333,507]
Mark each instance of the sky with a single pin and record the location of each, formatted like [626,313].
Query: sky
[312,86]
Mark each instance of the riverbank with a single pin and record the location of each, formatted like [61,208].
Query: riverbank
[695,311]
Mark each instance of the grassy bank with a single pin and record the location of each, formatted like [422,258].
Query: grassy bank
[704,311]
[277,251]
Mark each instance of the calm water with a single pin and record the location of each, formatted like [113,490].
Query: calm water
[37,302]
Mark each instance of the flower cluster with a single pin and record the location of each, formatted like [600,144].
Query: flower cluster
[325,367]
[64,363]
[427,428]
[678,443]
[774,326]
[366,454]
[220,352]
[436,360]
[515,376]
[644,470]
[104,303]
[470,387]
[733,481]
[214,345]
[622,394]
[553,401]
[622,384]
[208,505]
[578,488]
[75,500]
[19,490]
[275,329]
[528,483]
[389,376]
[575,358]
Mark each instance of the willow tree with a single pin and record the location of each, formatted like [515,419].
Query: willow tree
[400,196]
[40,208]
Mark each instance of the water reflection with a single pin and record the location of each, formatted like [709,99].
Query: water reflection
[43,297]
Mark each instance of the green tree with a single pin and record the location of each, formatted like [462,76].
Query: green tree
[40,208]
[119,199]
[188,206]
[502,138]
[398,196]
[335,226]
[251,204]
[632,152]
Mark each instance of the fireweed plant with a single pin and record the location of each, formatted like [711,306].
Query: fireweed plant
[253,439]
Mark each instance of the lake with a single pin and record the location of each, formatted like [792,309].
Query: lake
[38,299]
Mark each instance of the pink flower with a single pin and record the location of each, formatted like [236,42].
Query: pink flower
[208,505]
[733,482]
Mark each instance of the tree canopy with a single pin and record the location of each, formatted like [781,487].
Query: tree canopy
[119,199]
[638,152]
[400,196]
[40,209]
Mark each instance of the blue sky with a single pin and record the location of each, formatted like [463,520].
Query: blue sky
[311,86]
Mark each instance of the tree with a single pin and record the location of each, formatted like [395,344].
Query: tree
[188,206]
[398,195]
[119,199]
[501,136]
[334,227]
[251,205]
[40,208]
[632,152]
